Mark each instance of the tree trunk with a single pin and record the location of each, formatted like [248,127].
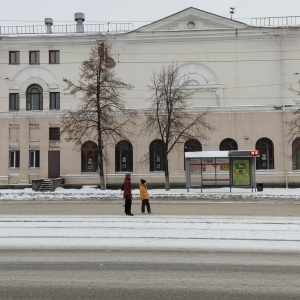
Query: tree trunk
[167,181]
[101,169]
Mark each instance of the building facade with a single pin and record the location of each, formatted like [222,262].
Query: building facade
[242,75]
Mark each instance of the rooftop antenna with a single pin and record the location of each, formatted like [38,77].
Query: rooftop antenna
[232,11]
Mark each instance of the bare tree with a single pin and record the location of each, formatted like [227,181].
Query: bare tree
[169,115]
[97,117]
[294,123]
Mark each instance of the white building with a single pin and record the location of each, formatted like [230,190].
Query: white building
[242,73]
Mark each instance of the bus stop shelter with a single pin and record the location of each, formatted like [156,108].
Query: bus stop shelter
[235,168]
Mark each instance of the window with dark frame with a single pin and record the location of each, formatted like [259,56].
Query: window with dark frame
[228,144]
[14,102]
[89,157]
[14,159]
[34,97]
[54,134]
[34,57]
[54,57]
[124,156]
[34,158]
[157,152]
[265,161]
[14,57]
[296,154]
[54,100]
[190,146]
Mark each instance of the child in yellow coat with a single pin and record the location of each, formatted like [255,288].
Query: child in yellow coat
[144,196]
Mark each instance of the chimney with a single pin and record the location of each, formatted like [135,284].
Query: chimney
[79,18]
[49,23]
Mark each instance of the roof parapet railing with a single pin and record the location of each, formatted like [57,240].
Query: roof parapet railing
[64,29]
[276,21]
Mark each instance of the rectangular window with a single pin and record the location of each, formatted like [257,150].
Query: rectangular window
[34,57]
[14,57]
[54,134]
[34,158]
[14,102]
[14,159]
[54,57]
[54,100]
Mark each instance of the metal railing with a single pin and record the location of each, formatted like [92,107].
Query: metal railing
[62,29]
[276,21]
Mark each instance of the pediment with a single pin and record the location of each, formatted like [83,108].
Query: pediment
[192,19]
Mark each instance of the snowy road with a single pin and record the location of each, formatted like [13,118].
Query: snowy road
[224,233]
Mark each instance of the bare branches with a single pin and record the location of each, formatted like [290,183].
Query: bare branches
[294,126]
[95,118]
[168,114]
[294,123]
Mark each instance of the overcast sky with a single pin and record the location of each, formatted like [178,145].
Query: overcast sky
[137,11]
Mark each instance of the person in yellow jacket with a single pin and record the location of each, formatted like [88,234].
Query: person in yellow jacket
[144,196]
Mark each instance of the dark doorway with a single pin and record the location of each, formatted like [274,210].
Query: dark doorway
[54,164]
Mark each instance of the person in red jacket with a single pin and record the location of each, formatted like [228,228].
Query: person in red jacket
[127,194]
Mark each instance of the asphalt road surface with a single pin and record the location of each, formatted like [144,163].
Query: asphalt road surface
[155,274]
[125,274]
[232,208]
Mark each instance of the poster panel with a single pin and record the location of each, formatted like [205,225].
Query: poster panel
[223,163]
[241,175]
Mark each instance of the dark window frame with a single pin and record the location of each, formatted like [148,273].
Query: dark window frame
[89,157]
[191,145]
[296,154]
[54,99]
[34,158]
[228,144]
[34,97]
[54,134]
[266,159]
[14,159]
[14,101]
[124,157]
[157,152]
[14,57]
[54,57]
[34,57]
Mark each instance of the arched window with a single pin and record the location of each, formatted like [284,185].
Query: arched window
[34,97]
[192,145]
[265,161]
[296,154]
[89,157]
[156,149]
[123,157]
[228,145]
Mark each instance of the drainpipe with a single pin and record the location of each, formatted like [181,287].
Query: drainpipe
[283,107]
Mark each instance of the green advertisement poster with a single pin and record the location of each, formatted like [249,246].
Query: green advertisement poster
[241,172]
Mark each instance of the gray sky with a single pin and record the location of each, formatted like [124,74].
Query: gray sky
[137,11]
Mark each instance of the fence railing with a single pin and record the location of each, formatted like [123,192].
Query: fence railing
[276,21]
[61,29]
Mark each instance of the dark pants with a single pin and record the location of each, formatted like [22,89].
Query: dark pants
[145,202]
[128,206]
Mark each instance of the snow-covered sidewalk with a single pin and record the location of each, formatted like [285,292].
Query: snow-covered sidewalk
[225,233]
[93,193]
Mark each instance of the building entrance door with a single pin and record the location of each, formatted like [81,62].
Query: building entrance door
[53,164]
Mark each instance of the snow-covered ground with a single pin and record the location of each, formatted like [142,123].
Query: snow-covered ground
[146,231]
[223,233]
[90,192]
